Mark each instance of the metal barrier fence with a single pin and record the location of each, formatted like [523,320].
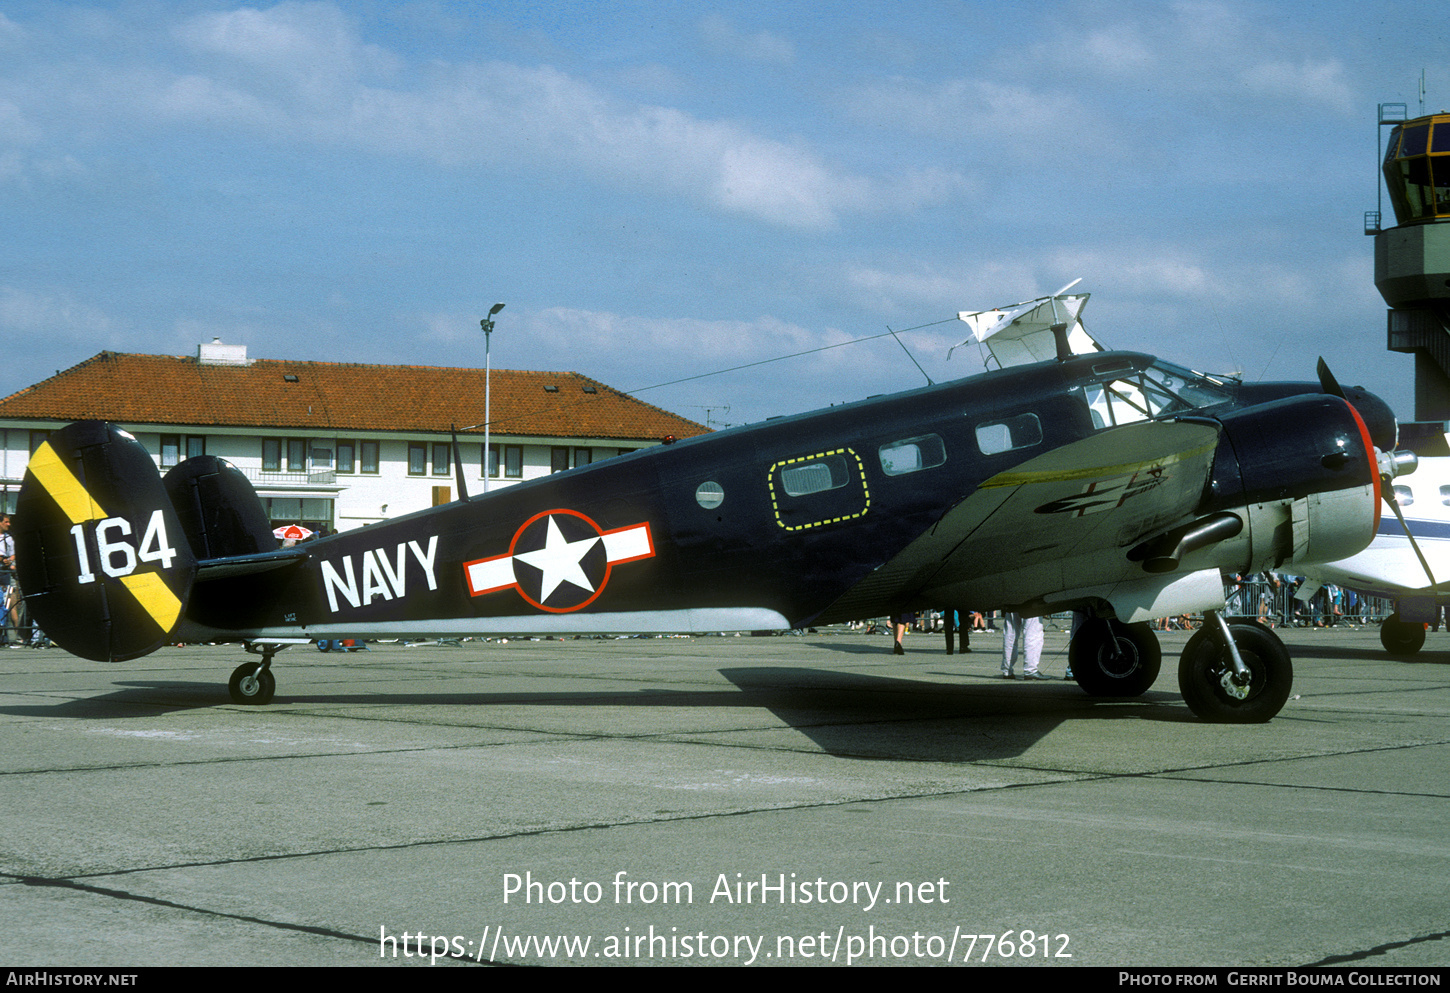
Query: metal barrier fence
[1263,597]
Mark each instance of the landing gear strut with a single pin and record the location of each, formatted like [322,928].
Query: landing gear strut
[252,683]
[1110,658]
[1236,673]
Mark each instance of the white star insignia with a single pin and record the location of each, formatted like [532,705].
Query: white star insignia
[559,560]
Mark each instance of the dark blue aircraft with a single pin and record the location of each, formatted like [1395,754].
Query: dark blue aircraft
[1109,483]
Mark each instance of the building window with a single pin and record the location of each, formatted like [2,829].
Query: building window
[313,513]
[294,450]
[558,458]
[37,438]
[442,464]
[195,445]
[368,457]
[417,458]
[583,456]
[513,461]
[170,450]
[346,456]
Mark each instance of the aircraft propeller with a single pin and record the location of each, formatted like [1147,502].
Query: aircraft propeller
[1391,464]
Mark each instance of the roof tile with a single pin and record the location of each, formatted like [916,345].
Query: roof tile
[335,396]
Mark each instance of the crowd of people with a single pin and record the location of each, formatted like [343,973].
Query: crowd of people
[1265,597]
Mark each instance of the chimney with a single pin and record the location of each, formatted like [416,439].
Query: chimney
[218,354]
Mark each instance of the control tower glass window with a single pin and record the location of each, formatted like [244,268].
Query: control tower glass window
[1417,169]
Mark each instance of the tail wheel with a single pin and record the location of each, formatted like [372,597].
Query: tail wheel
[249,686]
[1401,637]
[1110,658]
[1205,668]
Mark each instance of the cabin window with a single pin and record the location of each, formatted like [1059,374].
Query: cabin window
[1445,495]
[1139,395]
[1009,434]
[912,455]
[828,473]
[709,494]
[1404,496]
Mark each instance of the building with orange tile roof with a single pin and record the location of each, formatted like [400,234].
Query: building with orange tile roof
[337,444]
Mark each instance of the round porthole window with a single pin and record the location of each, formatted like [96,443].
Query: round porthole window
[709,494]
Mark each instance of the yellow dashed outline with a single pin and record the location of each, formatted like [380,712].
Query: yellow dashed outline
[775,502]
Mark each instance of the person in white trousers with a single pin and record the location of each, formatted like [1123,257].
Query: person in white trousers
[1024,633]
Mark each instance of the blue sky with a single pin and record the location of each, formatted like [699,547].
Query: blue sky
[663,190]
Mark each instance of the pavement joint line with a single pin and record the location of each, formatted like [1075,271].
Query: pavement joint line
[533,833]
[71,884]
[1068,778]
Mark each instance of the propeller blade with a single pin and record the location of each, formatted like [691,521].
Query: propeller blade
[1389,496]
[1327,382]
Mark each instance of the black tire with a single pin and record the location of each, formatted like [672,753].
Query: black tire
[1101,671]
[1401,638]
[247,686]
[1205,661]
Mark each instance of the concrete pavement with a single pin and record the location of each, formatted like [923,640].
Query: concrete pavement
[717,800]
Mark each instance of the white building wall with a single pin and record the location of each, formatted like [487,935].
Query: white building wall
[359,498]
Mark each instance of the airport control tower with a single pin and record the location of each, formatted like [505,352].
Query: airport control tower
[1412,259]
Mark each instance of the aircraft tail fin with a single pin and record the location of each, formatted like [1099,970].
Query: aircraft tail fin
[103,559]
[220,513]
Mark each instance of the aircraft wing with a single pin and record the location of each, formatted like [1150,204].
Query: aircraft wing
[1062,520]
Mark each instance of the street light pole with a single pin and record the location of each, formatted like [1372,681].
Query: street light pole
[487,325]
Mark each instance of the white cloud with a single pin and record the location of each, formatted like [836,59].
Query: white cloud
[1203,48]
[997,120]
[1305,81]
[306,41]
[12,35]
[761,46]
[54,318]
[301,73]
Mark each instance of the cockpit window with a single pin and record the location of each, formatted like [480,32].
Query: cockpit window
[1124,395]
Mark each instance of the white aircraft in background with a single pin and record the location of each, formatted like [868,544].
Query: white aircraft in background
[1389,567]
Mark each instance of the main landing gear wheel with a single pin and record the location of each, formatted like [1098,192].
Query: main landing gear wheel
[252,683]
[1401,637]
[1110,658]
[1205,674]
